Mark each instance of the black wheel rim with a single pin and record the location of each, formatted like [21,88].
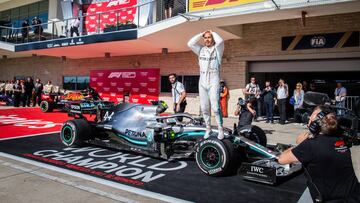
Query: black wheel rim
[67,134]
[43,106]
[210,157]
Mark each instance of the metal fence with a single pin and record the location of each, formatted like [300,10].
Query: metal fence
[62,28]
[350,102]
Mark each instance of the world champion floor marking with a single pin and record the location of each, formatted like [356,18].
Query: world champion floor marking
[127,188]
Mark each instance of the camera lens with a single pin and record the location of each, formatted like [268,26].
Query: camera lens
[305,117]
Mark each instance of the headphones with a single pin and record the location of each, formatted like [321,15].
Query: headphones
[315,126]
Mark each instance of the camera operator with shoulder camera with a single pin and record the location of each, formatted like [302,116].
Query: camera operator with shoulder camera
[245,111]
[326,160]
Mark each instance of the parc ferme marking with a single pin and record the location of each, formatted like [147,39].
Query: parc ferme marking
[14,126]
[28,123]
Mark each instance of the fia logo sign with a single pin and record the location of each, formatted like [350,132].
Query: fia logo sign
[256,169]
[318,41]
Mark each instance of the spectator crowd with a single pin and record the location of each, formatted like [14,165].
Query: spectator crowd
[24,92]
[265,102]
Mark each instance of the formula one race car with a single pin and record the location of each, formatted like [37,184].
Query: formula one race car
[6,100]
[87,99]
[141,129]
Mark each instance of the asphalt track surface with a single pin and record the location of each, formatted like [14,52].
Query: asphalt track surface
[27,135]
[179,179]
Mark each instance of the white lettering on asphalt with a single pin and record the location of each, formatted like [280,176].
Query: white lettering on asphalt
[23,122]
[105,155]
[70,159]
[143,170]
[84,149]
[148,176]
[41,153]
[120,186]
[87,162]
[124,157]
[135,163]
[106,165]
[127,172]
[156,166]
[115,169]
[58,155]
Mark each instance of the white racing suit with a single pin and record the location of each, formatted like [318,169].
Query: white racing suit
[209,82]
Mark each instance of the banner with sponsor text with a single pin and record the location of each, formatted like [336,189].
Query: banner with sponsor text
[142,85]
[202,5]
[94,21]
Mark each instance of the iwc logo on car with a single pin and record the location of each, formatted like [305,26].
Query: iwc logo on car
[318,41]
[256,169]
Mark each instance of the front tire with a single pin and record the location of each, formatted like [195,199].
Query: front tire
[213,157]
[253,133]
[46,106]
[75,132]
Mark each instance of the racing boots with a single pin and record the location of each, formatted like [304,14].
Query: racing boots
[207,133]
[220,133]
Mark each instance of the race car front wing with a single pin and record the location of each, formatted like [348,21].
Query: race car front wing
[268,171]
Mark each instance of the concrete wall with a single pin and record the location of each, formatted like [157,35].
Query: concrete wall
[259,40]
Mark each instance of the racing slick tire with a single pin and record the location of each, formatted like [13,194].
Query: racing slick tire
[253,133]
[46,106]
[75,132]
[213,157]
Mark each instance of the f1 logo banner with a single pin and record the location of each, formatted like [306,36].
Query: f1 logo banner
[97,20]
[201,5]
[138,85]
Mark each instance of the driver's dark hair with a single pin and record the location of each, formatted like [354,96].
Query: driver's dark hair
[172,74]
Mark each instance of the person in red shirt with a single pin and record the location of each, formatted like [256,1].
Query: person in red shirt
[224,94]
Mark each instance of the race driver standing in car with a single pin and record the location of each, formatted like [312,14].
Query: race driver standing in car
[209,83]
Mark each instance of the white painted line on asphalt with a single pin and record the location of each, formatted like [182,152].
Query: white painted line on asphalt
[31,135]
[69,183]
[120,186]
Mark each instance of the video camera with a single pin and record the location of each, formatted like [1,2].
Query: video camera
[241,102]
[348,123]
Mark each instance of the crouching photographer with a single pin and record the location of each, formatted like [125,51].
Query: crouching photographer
[245,111]
[326,159]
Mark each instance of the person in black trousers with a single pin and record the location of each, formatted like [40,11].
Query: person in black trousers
[29,87]
[282,94]
[38,88]
[17,93]
[269,96]
[25,31]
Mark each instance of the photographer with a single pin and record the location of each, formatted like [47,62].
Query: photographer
[326,160]
[245,111]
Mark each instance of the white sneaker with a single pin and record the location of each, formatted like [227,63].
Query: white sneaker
[207,133]
[220,133]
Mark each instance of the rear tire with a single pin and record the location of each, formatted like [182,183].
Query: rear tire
[213,156]
[75,132]
[46,106]
[253,133]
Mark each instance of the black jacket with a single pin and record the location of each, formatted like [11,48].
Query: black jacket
[268,95]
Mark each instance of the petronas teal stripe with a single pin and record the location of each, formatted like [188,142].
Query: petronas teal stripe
[133,141]
[202,133]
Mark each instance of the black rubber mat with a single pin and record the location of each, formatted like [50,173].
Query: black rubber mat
[180,179]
